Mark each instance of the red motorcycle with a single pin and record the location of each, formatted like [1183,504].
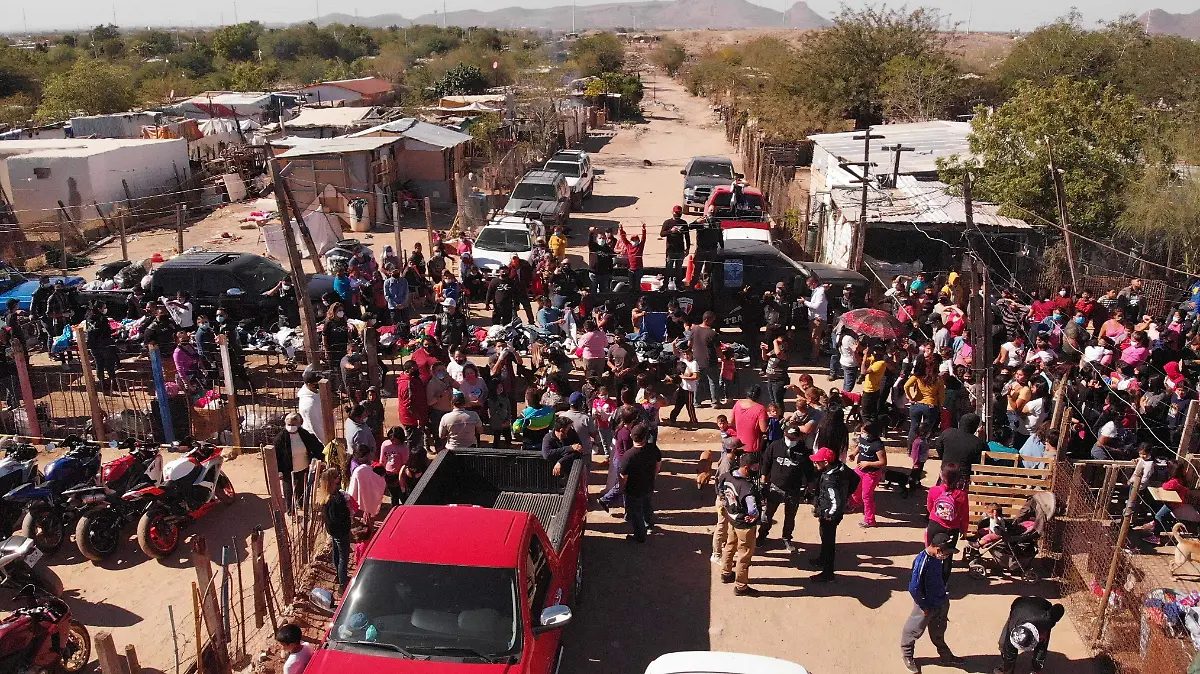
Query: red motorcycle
[42,637]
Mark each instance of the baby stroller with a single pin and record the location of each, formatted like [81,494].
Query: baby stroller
[1013,543]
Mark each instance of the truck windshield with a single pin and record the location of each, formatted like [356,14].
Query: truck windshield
[708,169]
[503,240]
[431,608]
[536,192]
[259,274]
[567,168]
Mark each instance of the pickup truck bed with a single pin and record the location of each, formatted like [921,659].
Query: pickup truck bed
[502,479]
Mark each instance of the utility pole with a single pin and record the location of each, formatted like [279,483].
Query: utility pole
[860,231]
[1061,193]
[897,149]
[979,308]
[297,267]
[572,16]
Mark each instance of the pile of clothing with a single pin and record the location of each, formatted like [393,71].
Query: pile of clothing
[1177,612]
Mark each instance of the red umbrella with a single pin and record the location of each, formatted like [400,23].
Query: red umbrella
[874,323]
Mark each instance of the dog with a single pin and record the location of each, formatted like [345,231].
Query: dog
[1187,550]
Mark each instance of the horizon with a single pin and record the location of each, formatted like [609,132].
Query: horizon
[1017,15]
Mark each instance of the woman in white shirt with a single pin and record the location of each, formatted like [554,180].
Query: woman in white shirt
[689,381]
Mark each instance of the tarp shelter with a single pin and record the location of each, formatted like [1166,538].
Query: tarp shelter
[122,125]
[219,133]
[429,156]
[256,105]
[360,91]
[326,230]
[330,122]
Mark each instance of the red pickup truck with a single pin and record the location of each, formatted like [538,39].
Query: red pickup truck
[473,575]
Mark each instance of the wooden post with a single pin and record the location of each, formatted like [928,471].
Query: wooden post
[231,392]
[460,196]
[131,660]
[1112,567]
[327,411]
[160,393]
[241,599]
[179,218]
[1189,431]
[198,618]
[208,597]
[1061,195]
[396,227]
[297,268]
[286,582]
[106,653]
[1060,399]
[371,345]
[428,228]
[271,467]
[305,233]
[256,569]
[121,218]
[62,242]
[89,383]
[21,360]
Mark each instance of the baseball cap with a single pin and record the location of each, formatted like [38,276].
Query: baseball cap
[449,302]
[792,431]
[824,454]
[677,210]
[731,443]
[942,540]
[575,399]
[312,375]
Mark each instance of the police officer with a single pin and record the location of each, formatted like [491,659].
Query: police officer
[679,242]
[1030,620]
[743,503]
[786,471]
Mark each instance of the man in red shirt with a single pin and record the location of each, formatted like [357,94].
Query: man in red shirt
[634,247]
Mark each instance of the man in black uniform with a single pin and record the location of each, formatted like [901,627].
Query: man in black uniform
[679,242]
[501,294]
[1030,620]
[835,484]
[743,505]
[451,326]
[786,470]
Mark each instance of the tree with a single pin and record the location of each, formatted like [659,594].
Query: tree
[238,42]
[1164,206]
[1099,137]
[253,76]
[91,87]
[669,56]
[196,60]
[843,67]
[918,89]
[629,87]
[355,42]
[17,72]
[597,54]
[461,80]
[105,32]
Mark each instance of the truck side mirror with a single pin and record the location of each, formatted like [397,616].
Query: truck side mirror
[552,618]
[682,172]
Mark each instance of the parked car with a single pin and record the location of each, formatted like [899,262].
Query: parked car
[714,662]
[503,238]
[576,165]
[235,281]
[14,284]
[700,175]
[446,587]
[542,195]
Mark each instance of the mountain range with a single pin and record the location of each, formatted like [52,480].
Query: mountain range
[1159,22]
[670,15]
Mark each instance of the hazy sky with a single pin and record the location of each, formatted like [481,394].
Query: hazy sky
[72,14]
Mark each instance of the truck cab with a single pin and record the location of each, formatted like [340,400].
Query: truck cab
[475,573]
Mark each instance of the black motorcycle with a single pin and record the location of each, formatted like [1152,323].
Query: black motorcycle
[104,512]
[49,510]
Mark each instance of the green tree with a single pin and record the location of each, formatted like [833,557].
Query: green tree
[628,87]
[461,80]
[196,60]
[1099,137]
[918,89]
[597,54]
[669,56]
[1164,206]
[282,44]
[248,76]
[355,42]
[105,32]
[238,42]
[91,87]
[153,43]
[17,72]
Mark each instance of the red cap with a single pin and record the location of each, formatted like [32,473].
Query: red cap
[157,257]
[824,454]
[677,210]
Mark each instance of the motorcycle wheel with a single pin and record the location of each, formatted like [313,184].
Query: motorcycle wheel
[157,537]
[225,492]
[77,650]
[46,529]
[97,534]
[45,578]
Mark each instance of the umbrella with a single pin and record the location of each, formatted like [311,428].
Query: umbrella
[874,323]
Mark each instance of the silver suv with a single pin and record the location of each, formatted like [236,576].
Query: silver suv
[577,167]
[541,195]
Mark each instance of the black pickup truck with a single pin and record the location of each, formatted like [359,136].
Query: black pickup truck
[730,269]
[233,281]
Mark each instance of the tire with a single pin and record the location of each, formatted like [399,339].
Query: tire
[45,527]
[77,651]
[98,533]
[577,595]
[156,536]
[977,571]
[45,578]
[224,491]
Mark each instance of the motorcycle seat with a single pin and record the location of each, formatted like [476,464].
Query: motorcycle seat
[28,492]
[11,544]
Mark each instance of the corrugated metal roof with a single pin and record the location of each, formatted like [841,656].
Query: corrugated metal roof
[914,201]
[338,146]
[367,86]
[408,127]
[320,117]
[929,140]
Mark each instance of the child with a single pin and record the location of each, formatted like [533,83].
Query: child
[704,467]
[774,422]
[728,373]
[603,406]
[296,652]
[870,464]
[919,453]
[995,524]
[651,401]
[393,454]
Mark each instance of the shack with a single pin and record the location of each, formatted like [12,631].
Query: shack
[358,91]
[331,122]
[353,178]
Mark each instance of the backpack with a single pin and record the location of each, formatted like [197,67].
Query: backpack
[944,508]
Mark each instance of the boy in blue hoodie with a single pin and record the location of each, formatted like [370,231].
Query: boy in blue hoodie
[931,603]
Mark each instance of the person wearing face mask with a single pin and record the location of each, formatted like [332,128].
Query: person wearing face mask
[787,470]
[1075,337]
[237,360]
[309,404]
[427,356]
[295,449]
[100,344]
[289,303]
[206,343]
[439,394]
[456,365]
[413,404]
[335,333]
[634,249]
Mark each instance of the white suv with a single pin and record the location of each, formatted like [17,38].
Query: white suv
[503,238]
[577,167]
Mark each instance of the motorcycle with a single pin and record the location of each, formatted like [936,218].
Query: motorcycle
[19,559]
[105,512]
[18,467]
[43,637]
[49,511]
[192,485]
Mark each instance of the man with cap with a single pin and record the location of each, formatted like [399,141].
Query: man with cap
[309,405]
[1030,620]
[451,326]
[562,446]
[931,603]
[583,423]
[742,502]
[675,231]
[786,469]
[835,483]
